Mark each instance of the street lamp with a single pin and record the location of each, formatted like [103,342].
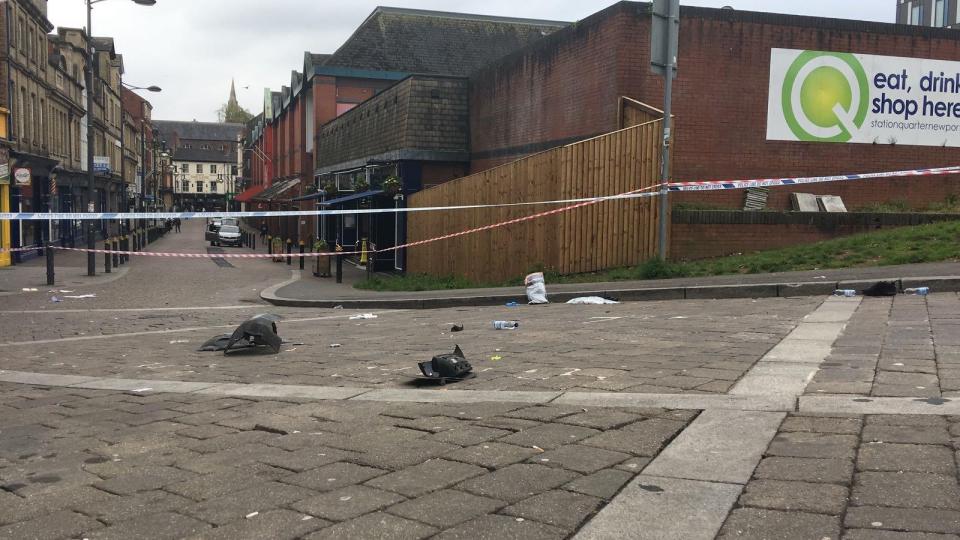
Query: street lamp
[147,88]
[91,180]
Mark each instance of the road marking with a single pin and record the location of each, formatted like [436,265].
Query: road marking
[170,331]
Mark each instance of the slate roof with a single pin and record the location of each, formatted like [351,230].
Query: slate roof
[209,131]
[435,42]
[208,156]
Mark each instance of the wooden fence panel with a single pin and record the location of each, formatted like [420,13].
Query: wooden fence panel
[599,236]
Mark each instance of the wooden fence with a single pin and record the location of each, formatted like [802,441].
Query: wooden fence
[604,235]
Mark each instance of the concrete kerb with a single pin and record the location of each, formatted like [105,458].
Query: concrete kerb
[447,299]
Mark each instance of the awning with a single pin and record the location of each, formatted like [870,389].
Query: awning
[311,197]
[353,197]
[250,193]
[275,191]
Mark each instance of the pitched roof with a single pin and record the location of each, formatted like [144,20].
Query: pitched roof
[209,131]
[206,156]
[435,42]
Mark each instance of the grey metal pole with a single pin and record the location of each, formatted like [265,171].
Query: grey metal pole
[91,181]
[667,108]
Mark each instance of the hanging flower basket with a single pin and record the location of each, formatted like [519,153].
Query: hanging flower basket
[391,186]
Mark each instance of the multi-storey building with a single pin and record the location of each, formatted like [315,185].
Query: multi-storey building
[937,13]
[205,161]
[139,138]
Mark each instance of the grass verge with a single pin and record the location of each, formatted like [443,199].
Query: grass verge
[906,245]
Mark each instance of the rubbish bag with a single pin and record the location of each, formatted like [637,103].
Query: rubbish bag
[881,288]
[447,366]
[592,300]
[261,330]
[536,289]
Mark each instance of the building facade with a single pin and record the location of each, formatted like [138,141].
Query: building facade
[139,138]
[205,162]
[936,13]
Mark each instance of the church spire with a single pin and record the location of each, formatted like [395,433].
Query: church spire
[233,95]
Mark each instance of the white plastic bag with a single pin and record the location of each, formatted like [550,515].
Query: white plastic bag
[591,300]
[536,289]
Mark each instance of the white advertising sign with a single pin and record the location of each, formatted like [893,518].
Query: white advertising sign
[22,176]
[817,96]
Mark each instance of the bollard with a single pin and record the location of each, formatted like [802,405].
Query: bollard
[253,242]
[339,268]
[106,255]
[302,258]
[116,247]
[49,253]
[289,251]
[123,247]
[269,245]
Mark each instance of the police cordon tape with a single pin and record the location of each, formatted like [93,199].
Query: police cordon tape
[708,185]
[278,255]
[713,185]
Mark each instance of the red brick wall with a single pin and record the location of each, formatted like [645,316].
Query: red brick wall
[567,85]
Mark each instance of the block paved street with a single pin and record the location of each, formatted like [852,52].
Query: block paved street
[794,418]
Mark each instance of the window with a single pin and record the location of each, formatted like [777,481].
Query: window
[186,186]
[213,168]
[233,170]
[199,187]
[199,168]
[939,12]
[916,13]
[185,168]
[213,187]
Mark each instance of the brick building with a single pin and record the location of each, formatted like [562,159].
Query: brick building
[204,159]
[566,87]
[389,46]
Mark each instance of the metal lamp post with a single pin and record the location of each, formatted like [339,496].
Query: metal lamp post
[91,180]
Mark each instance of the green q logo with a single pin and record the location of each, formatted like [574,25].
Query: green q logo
[825,96]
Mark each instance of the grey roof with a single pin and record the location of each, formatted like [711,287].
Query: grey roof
[207,156]
[208,131]
[435,42]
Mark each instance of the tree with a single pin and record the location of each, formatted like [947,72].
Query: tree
[236,115]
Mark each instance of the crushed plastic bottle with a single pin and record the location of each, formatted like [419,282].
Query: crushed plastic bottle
[506,325]
[919,291]
[845,292]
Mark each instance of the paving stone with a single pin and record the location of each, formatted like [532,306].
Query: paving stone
[495,527]
[906,457]
[903,519]
[205,431]
[831,471]
[431,424]
[218,483]
[910,379]
[558,508]
[275,525]
[347,503]
[260,497]
[906,490]
[492,455]
[306,458]
[446,508]
[468,435]
[819,424]
[517,482]
[868,534]
[334,476]
[388,454]
[428,476]
[511,424]
[900,390]
[119,509]
[225,442]
[145,479]
[909,420]
[543,414]
[645,438]
[600,419]
[634,465]
[62,524]
[603,484]
[906,434]
[761,524]
[582,459]
[549,436]
[377,525]
[161,525]
[789,496]
[813,445]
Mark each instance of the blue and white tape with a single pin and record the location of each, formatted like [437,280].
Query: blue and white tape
[715,185]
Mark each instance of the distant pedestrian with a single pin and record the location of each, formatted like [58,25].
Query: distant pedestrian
[176,223]
[263,231]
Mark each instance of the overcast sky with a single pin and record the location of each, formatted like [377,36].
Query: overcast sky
[192,48]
